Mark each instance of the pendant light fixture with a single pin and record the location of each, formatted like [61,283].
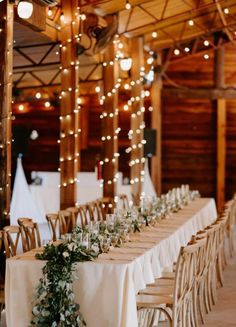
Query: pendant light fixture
[25,9]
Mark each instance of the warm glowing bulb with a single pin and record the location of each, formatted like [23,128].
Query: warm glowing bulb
[25,9]
[21,107]
[49,12]
[125,64]
[47,104]
[226,11]
[176,52]
[127,5]
[191,22]
[150,60]
[206,56]
[97,89]
[154,35]
[186,49]
[206,43]
[38,95]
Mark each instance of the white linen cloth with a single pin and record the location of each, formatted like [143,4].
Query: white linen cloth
[22,202]
[106,288]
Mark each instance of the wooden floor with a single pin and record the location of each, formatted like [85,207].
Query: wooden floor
[224,312]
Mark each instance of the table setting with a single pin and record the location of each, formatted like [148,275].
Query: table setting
[107,263]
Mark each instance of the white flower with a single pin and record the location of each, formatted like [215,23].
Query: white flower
[72,246]
[65,254]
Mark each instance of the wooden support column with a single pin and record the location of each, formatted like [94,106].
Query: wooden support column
[156,124]
[69,130]
[137,118]
[110,124]
[6,43]
[221,128]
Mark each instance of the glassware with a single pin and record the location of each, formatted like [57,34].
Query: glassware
[105,243]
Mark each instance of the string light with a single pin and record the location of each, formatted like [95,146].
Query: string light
[206,43]
[206,56]
[154,35]
[226,11]
[176,52]
[127,5]
[38,95]
[186,49]
[191,22]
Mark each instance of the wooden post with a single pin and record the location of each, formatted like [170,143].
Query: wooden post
[6,45]
[69,133]
[156,124]
[110,124]
[221,152]
[221,127]
[137,118]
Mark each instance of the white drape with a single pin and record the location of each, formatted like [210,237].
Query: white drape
[147,186]
[22,202]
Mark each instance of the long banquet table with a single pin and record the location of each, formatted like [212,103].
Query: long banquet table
[106,288]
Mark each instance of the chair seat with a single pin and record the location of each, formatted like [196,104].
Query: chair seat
[153,301]
[163,282]
[158,290]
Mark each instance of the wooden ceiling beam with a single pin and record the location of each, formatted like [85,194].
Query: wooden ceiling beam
[212,94]
[176,19]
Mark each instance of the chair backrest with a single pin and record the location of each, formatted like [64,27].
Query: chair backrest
[31,231]
[54,225]
[74,213]
[107,205]
[21,221]
[95,212]
[185,278]
[66,221]
[123,201]
[12,239]
[82,217]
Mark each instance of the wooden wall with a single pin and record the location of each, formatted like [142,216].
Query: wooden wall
[189,128]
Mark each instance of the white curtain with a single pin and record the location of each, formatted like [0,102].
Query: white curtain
[22,202]
[147,186]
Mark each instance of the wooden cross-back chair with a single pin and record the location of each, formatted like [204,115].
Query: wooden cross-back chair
[94,210]
[12,236]
[107,205]
[82,217]
[31,231]
[20,222]
[230,211]
[54,225]
[123,201]
[178,298]
[66,220]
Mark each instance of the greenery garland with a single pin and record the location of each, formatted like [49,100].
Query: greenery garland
[54,305]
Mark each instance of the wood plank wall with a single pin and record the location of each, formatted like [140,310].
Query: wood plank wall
[189,128]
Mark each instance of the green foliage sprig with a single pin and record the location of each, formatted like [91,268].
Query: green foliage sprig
[54,305]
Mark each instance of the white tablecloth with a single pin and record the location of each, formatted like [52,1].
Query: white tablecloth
[106,288]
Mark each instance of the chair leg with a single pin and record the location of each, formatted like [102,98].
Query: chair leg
[219,267]
[201,301]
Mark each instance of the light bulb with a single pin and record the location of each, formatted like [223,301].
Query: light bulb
[125,64]
[49,12]
[38,95]
[47,104]
[206,43]
[154,35]
[25,9]
[191,22]
[127,5]
[206,56]
[176,52]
